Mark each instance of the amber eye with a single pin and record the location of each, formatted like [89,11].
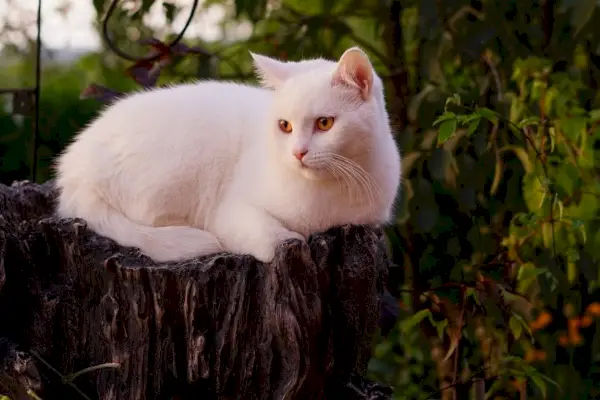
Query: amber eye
[324,123]
[285,126]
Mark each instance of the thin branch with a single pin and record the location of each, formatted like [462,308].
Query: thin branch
[62,377]
[152,57]
[487,59]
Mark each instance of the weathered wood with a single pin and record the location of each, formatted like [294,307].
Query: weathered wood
[217,327]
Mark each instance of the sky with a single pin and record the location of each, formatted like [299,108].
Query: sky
[75,30]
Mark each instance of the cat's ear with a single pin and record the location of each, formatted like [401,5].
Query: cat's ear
[355,70]
[270,72]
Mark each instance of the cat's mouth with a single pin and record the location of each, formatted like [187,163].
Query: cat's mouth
[302,164]
[310,165]
[310,171]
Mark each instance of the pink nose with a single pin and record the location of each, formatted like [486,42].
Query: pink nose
[299,154]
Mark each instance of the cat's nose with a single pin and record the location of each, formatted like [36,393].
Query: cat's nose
[299,153]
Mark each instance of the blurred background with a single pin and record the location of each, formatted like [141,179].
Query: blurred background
[495,104]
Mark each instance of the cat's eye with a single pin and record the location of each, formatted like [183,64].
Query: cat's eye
[324,123]
[285,126]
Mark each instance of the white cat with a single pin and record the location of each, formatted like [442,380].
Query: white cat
[201,168]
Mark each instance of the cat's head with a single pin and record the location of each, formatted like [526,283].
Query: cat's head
[325,115]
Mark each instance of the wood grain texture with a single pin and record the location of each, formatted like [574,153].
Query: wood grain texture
[218,327]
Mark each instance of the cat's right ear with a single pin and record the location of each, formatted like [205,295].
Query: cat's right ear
[355,70]
[271,72]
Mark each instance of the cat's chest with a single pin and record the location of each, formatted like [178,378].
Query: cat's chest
[310,211]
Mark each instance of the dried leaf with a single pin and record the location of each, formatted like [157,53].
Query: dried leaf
[498,172]
[522,155]
[101,93]
[146,73]
[181,49]
[454,333]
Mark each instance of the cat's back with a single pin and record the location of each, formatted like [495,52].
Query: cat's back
[195,109]
[183,122]
[202,98]
[153,143]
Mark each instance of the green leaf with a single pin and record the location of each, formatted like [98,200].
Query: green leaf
[571,272]
[595,115]
[33,395]
[552,133]
[558,203]
[473,125]
[547,235]
[440,326]
[574,127]
[547,379]
[522,155]
[447,128]
[383,348]
[455,99]
[538,378]
[565,184]
[498,172]
[527,275]
[529,121]
[488,114]
[415,319]
[533,193]
[448,115]
[537,89]
[515,327]
[524,324]
[472,293]
[170,11]
[539,382]
[585,209]
[586,159]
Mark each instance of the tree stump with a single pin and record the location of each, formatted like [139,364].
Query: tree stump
[81,317]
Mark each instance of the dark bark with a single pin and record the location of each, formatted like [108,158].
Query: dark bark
[547,22]
[218,327]
[397,67]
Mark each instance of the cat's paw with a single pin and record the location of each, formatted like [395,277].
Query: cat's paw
[290,235]
[266,252]
[179,243]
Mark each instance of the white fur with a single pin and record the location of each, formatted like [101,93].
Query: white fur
[200,168]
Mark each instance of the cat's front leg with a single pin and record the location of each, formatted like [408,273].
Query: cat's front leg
[246,229]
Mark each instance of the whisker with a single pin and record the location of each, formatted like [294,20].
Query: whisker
[354,175]
[358,178]
[368,183]
[361,170]
[341,173]
[351,182]
[334,172]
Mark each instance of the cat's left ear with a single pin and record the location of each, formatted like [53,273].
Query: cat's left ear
[355,70]
[271,72]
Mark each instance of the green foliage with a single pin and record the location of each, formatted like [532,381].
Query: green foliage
[548,123]
[496,244]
